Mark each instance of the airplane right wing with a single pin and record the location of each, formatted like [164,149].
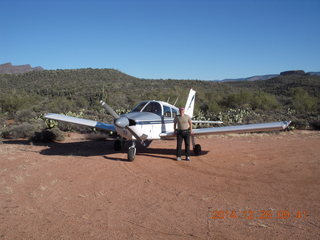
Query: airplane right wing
[260,127]
[209,122]
[80,121]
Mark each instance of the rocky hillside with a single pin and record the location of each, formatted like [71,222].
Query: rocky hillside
[8,68]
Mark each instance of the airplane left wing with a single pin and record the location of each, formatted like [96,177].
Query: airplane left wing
[80,121]
[260,127]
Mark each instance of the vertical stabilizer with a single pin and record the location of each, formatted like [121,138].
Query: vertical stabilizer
[190,103]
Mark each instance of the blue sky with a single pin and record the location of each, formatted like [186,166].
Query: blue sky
[180,39]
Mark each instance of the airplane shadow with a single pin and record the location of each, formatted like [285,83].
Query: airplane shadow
[99,148]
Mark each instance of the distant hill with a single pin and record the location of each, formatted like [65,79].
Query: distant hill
[253,78]
[293,97]
[314,73]
[8,68]
[269,76]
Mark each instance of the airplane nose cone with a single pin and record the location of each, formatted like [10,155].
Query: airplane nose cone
[122,122]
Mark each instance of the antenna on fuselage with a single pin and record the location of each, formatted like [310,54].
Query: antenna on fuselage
[176,101]
[168,99]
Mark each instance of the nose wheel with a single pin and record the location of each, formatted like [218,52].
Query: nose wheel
[132,152]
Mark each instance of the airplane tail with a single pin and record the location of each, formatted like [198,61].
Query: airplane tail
[190,103]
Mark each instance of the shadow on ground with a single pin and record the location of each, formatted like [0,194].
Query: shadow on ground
[98,148]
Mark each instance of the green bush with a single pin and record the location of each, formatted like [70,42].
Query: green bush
[302,101]
[315,124]
[300,124]
[24,130]
[48,135]
[14,101]
[25,115]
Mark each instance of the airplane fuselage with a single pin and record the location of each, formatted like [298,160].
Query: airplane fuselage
[149,119]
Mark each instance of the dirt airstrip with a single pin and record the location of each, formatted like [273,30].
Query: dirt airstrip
[250,186]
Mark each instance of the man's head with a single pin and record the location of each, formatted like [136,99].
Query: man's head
[181,110]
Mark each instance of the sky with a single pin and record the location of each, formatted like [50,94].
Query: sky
[165,39]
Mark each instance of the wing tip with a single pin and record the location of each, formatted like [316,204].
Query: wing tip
[286,124]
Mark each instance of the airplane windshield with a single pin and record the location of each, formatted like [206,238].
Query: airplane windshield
[139,107]
[153,107]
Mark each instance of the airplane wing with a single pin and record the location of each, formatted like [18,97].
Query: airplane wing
[260,127]
[209,122]
[80,121]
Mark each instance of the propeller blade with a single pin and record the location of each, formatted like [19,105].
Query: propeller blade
[109,110]
[141,140]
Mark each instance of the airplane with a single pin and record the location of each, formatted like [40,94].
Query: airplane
[154,120]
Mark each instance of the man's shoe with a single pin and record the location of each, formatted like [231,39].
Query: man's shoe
[178,158]
[187,158]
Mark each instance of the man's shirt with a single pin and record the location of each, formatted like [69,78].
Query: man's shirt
[182,122]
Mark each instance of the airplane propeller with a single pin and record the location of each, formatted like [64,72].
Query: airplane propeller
[109,110]
[121,122]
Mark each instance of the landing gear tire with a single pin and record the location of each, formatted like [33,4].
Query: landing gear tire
[197,150]
[117,145]
[131,153]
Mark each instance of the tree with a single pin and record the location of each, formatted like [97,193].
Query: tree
[302,101]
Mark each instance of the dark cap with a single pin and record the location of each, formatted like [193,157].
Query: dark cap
[181,108]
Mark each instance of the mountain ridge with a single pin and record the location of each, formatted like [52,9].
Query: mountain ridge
[8,68]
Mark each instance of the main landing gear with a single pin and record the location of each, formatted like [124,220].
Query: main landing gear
[196,147]
[118,145]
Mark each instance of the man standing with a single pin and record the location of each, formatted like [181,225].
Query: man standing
[183,128]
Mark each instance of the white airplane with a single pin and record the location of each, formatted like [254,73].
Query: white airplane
[153,120]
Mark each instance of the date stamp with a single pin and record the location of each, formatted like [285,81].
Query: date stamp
[218,214]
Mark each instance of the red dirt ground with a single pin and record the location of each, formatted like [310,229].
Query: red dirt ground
[242,187]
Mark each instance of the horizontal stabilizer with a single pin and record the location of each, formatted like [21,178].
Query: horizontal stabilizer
[80,121]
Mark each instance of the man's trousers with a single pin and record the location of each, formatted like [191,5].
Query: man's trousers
[183,135]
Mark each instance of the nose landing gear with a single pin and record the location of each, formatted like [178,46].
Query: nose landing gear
[132,152]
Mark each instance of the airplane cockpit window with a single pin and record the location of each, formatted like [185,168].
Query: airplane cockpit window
[139,107]
[153,107]
[166,111]
[174,112]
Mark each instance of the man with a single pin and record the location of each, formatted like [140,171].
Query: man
[183,128]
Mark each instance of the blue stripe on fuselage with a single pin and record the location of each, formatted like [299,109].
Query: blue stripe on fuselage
[154,122]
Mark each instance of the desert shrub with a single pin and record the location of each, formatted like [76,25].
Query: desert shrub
[25,115]
[60,104]
[3,120]
[255,100]
[239,115]
[14,101]
[48,135]
[300,124]
[315,124]
[302,101]
[24,130]
[264,101]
